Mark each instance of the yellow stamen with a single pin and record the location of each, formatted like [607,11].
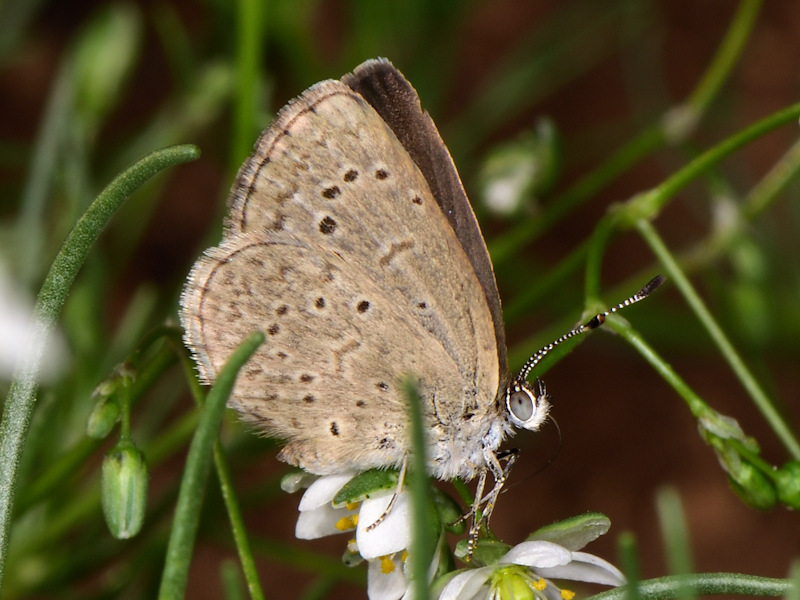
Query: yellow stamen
[539,585]
[346,523]
[387,566]
[351,506]
[567,594]
[404,555]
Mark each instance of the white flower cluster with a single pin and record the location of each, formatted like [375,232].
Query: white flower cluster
[524,572]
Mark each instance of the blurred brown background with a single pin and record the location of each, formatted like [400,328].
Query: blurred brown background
[624,433]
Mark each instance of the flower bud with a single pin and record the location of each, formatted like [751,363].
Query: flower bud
[124,490]
[753,487]
[787,481]
[103,417]
[516,172]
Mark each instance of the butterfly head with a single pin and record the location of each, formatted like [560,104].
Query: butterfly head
[526,403]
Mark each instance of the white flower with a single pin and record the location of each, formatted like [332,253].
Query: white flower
[526,571]
[383,546]
[23,343]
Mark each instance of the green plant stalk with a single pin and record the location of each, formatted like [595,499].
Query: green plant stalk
[647,205]
[629,560]
[676,536]
[641,145]
[757,201]
[766,191]
[237,524]
[703,584]
[231,583]
[421,551]
[727,55]
[195,475]
[794,573]
[697,406]
[249,47]
[21,398]
[738,366]
[226,484]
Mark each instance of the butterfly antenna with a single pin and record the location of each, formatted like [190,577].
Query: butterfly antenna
[592,323]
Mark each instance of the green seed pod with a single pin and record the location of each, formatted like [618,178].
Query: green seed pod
[103,417]
[753,487]
[787,481]
[124,490]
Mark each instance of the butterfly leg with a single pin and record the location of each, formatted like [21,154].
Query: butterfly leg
[500,474]
[400,480]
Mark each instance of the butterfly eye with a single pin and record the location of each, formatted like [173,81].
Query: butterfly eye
[527,405]
[521,404]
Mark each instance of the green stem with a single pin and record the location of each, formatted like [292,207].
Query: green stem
[649,204]
[629,560]
[227,487]
[675,533]
[195,475]
[21,397]
[697,406]
[237,524]
[249,46]
[421,550]
[703,584]
[727,55]
[738,366]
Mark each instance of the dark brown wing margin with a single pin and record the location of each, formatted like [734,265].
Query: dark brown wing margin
[396,101]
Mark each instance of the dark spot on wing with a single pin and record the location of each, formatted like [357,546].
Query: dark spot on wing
[331,192]
[327,226]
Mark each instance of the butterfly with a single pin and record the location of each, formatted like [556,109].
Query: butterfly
[350,242]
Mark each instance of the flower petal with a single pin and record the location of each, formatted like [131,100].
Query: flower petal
[393,534]
[323,490]
[585,567]
[385,584]
[467,585]
[537,554]
[322,521]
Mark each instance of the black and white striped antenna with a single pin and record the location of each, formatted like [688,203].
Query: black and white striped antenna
[592,323]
